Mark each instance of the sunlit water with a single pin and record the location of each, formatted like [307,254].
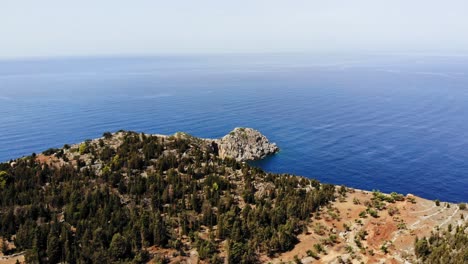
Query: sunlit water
[393,123]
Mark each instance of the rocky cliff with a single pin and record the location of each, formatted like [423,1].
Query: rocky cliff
[245,144]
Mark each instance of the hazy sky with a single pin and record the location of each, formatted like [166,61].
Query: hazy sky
[91,27]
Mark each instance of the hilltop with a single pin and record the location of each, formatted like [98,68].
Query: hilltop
[134,197]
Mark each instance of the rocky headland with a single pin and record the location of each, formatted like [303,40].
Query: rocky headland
[192,200]
[245,144]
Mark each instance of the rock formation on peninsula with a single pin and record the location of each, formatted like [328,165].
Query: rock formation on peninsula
[245,144]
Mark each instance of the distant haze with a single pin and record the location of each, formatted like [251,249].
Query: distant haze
[104,27]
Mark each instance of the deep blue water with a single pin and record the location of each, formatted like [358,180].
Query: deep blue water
[393,123]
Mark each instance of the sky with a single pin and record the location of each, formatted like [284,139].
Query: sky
[122,27]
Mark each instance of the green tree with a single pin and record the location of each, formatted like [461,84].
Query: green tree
[53,248]
[235,252]
[421,248]
[159,231]
[119,247]
[3,178]
[32,256]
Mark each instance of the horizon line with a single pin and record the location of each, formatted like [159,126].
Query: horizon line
[227,53]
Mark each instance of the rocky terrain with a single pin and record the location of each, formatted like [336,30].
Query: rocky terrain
[245,144]
[350,236]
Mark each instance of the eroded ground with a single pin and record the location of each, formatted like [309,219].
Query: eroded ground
[347,237]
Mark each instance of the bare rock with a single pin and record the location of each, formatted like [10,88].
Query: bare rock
[245,144]
[264,189]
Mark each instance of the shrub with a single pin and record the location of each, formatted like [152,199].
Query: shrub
[401,226]
[362,234]
[379,205]
[393,210]
[397,196]
[83,149]
[343,190]
[312,254]
[462,206]
[373,213]
[333,239]
[319,248]
[346,227]
[358,242]
[107,135]
[319,229]
[50,151]
[389,199]
[363,214]
[384,248]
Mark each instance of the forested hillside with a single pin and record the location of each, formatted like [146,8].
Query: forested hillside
[444,246]
[130,197]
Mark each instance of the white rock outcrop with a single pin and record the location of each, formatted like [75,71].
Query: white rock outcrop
[245,144]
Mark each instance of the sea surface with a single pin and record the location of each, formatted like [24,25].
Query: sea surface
[391,122]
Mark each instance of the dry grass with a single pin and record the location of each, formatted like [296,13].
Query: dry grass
[396,231]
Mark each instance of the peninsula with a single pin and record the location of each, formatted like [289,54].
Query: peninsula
[131,197]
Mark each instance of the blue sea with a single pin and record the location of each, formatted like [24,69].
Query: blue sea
[392,122]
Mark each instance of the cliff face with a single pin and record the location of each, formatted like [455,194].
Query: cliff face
[245,144]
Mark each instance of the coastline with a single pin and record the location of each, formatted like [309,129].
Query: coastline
[210,140]
[391,221]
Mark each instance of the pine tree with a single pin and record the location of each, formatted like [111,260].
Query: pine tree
[53,248]
[119,248]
